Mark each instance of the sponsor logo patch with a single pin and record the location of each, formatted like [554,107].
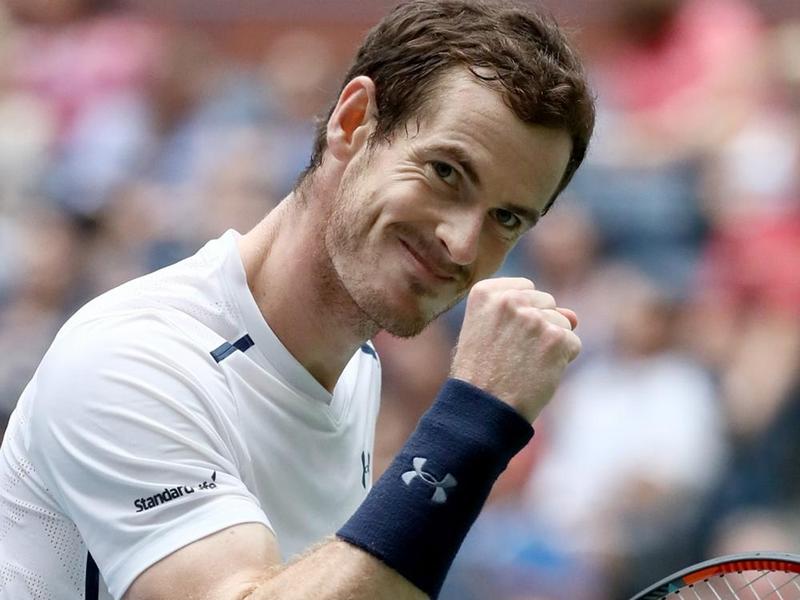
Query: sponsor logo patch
[168,494]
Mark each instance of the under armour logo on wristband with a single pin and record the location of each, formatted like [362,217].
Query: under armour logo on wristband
[440,493]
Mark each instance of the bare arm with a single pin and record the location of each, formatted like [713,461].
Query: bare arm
[243,563]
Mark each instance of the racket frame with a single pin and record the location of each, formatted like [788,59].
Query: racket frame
[734,563]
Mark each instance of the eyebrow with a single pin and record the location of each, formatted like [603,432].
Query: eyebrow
[462,157]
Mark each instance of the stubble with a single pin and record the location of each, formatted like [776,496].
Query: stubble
[351,271]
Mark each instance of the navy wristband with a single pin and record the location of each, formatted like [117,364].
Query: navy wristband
[416,516]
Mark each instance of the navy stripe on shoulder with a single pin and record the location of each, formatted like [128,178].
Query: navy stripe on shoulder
[225,350]
[243,343]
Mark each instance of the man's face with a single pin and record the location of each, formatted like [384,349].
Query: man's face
[418,221]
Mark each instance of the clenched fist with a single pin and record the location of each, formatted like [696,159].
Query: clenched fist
[515,343]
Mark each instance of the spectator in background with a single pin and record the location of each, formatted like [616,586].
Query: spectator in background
[165,135]
[749,307]
[749,297]
[751,529]
[299,73]
[761,479]
[567,257]
[669,74]
[620,464]
[243,184]
[125,127]
[75,54]
[188,159]
[634,441]
[66,61]
[47,250]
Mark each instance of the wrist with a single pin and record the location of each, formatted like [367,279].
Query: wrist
[419,511]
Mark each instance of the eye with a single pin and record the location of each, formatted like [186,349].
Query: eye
[507,219]
[446,173]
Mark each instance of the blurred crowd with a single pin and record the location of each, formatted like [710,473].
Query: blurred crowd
[127,141]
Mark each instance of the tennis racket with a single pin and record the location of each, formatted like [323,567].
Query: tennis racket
[753,576]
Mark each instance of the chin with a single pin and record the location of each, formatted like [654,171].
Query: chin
[407,320]
[400,321]
[392,304]
[406,328]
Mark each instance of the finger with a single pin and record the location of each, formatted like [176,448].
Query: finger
[570,315]
[549,315]
[506,283]
[570,342]
[573,344]
[555,317]
[535,299]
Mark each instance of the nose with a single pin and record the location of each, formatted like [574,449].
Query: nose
[460,234]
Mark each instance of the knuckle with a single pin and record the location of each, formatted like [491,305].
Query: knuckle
[558,341]
[567,345]
[478,291]
[478,296]
[507,300]
[534,320]
[515,298]
[575,347]
[557,335]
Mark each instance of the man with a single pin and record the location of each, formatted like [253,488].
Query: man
[190,430]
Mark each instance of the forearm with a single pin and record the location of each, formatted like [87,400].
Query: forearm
[402,539]
[336,570]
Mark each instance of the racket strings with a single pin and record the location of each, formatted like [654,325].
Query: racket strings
[780,582]
[776,590]
[793,581]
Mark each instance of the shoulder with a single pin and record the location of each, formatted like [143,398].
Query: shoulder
[96,338]
[192,294]
[128,386]
[127,361]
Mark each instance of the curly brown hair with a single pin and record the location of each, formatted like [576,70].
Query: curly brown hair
[522,54]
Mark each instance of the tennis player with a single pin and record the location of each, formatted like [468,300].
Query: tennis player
[206,431]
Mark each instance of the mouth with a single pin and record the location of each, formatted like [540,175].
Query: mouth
[434,272]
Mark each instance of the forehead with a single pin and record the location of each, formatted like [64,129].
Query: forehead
[512,157]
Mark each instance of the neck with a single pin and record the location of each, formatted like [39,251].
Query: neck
[298,292]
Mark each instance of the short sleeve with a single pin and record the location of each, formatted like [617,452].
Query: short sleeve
[133,430]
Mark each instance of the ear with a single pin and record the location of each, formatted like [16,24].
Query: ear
[353,118]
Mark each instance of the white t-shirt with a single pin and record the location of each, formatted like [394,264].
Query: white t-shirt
[167,410]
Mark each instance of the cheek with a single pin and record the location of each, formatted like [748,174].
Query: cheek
[493,251]
[405,201]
